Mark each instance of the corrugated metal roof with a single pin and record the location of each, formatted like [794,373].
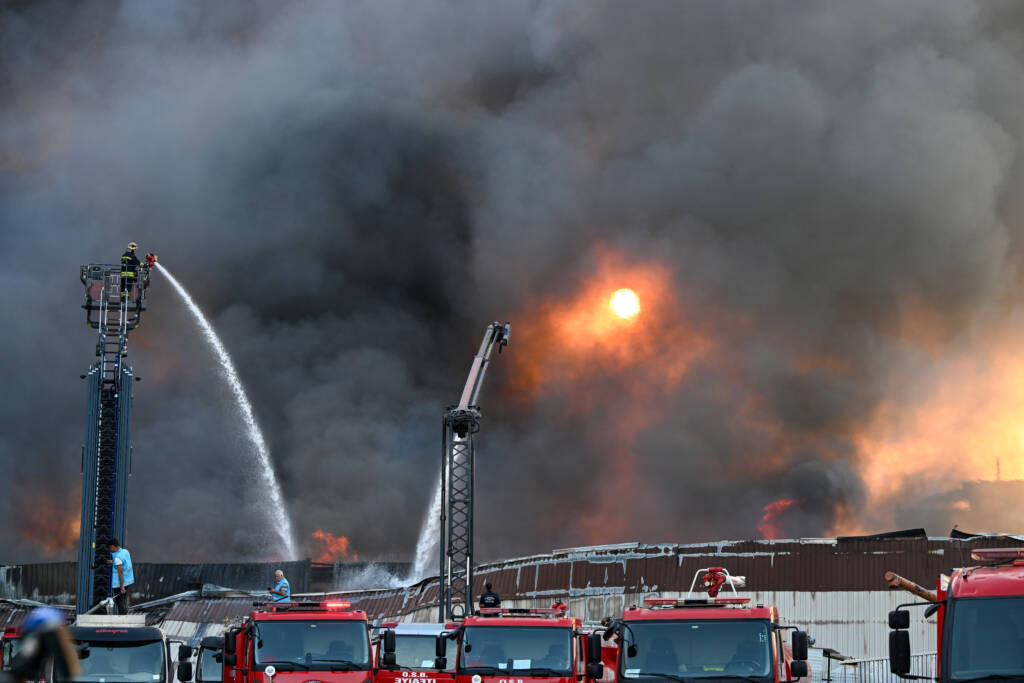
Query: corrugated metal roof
[801,565]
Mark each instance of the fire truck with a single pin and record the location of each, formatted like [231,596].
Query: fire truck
[510,645]
[705,636]
[9,644]
[298,642]
[123,648]
[407,653]
[980,610]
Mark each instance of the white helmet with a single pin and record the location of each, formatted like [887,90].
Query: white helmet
[133,246]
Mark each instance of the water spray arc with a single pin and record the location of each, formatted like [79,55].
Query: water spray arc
[458,460]
[280,521]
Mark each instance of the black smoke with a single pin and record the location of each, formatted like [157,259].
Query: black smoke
[353,190]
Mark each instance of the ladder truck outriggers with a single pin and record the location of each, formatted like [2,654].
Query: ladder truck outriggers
[705,636]
[980,620]
[513,645]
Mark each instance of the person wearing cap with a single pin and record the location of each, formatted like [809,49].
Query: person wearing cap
[129,269]
[122,574]
[490,598]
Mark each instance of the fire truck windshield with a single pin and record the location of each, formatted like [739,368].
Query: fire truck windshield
[526,650]
[986,638]
[116,662]
[10,648]
[414,651]
[701,648]
[313,645]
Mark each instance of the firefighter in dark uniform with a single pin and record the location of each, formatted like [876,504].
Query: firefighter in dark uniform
[490,598]
[129,269]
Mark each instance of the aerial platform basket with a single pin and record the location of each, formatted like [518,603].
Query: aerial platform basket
[103,292]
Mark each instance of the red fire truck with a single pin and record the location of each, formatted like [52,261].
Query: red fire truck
[980,621]
[503,645]
[297,642]
[9,644]
[407,653]
[706,637]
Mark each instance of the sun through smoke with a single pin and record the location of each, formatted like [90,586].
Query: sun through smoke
[625,303]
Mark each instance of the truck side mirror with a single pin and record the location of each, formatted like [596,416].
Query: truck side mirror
[441,648]
[800,645]
[185,671]
[229,641]
[594,649]
[184,652]
[212,642]
[631,651]
[797,670]
[595,671]
[899,652]
[899,618]
[441,663]
[388,659]
[229,660]
[388,639]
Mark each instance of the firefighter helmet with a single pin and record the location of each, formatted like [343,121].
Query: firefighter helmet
[133,246]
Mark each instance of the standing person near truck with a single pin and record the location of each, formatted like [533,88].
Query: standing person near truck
[122,574]
[490,598]
[281,591]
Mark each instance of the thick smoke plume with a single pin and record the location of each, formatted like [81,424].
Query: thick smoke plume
[818,204]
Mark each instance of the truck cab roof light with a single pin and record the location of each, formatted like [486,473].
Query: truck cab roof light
[670,603]
[556,610]
[389,624]
[983,554]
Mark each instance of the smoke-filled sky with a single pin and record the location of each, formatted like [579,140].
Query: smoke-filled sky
[817,203]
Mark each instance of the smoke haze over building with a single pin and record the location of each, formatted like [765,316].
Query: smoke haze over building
[817,203]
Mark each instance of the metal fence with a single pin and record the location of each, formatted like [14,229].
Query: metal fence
[874,670]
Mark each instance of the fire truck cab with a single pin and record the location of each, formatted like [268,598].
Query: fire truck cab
[407,653]
[502,645]
[980,621]
[706,637]
[9,643]
[296,642]
[123,648]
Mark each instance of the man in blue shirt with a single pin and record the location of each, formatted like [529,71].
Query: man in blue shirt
[281,590]
[122,574]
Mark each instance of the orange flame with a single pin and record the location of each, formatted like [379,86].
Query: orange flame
[769,527]
[330,548]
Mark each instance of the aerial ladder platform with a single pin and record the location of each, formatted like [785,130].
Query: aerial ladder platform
[458,459]
[114,309]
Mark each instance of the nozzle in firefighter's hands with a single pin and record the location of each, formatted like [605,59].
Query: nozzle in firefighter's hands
[151,259]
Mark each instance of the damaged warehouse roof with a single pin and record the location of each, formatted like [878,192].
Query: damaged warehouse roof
[817,564]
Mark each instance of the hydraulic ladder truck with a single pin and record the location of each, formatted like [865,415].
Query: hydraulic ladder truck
[458,459]
[114,310]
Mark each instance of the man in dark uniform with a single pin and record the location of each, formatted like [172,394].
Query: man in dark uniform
[129,269]
[490,598]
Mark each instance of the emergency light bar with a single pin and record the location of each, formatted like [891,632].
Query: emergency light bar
[998,554]
[558,610]
[663,603]
[389,624]
[303,606]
